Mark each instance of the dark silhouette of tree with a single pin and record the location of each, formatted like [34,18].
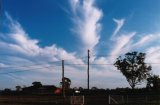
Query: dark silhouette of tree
[80,88]
[37,84]
[153,82]
[94,88]
[75,88]
[67,83]
[133,67]
[18,88]
[7,91]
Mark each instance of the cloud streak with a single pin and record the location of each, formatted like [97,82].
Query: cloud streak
[120,24]
[20,52]
[18,49]
[121,43]
[86,17]
[23,53]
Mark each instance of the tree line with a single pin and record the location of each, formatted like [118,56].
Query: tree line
[132,65]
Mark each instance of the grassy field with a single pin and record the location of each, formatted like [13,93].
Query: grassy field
[33,100]
[89,100]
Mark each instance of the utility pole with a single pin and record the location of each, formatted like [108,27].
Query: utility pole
[88,69]
[63,88]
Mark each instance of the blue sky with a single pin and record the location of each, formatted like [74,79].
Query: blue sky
[35,35]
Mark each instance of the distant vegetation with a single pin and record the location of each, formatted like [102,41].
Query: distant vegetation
[133,67]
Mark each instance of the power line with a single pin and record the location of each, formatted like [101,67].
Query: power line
[19,71]
[69,64]
[78,58]
[30,65]
[102,64]
[16,78]
[73,64]
[105,55]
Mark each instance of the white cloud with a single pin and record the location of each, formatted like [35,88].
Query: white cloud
[19,42]
[146,40]
[23,53]
[23,50]
[121,43]
[120,24]
[86,19]
[147,43]
[2,65]
[153,57]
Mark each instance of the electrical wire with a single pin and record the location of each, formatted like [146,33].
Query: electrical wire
[19,71]
[30,65]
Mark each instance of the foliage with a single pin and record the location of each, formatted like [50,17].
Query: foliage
[18,88]
[66,84]
[133,67]
[80,88]
[152,82]
[37,84]
[94,88]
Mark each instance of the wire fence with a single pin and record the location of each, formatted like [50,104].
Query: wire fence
[134,99]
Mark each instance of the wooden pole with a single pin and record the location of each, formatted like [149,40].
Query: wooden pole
[88,69]
[63,88]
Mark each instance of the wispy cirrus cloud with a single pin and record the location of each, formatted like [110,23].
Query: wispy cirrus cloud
[2,65]
[120,23]
[24,53]
[21,49]
[20,52]
[18,42]
[131,41]
[121,42]
[153,57]
[146,40]
[86,17]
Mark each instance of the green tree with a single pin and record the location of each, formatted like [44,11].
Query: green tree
[133,67]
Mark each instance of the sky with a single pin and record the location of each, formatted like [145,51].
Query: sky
[36,35]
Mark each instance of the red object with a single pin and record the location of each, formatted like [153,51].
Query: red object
[58,91]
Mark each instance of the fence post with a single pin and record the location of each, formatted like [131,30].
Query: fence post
[127,99]
[146,100]
[83,100]
[122,99]
[109,100]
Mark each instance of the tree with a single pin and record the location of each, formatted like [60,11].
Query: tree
[133,67]
[37,84]
[66,84]
[153,81]
[80,88]
[94,88]
[18,88]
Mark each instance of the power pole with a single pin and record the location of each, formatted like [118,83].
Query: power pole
[63,88]
[88,69]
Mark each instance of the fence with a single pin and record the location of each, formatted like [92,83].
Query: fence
[134,99]
[77,100]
